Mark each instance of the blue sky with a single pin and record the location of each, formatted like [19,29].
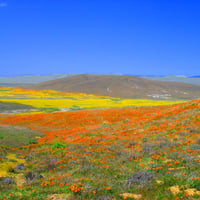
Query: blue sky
[138,37]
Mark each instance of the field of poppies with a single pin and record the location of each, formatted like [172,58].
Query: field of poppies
[137,153]
[53,101]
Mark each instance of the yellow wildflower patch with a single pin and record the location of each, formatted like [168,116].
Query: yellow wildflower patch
[131,195]
[61,100]
[59,196]
[159,182]
[7,165]
[175,189]
[192,191]
[176,168]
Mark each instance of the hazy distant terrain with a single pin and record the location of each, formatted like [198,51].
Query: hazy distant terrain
[30,79]
[184,79]
[18,81]
[121,86]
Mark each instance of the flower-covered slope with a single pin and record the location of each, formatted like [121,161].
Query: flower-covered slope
[122,153]
[50,100]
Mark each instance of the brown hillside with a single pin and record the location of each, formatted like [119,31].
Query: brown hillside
[121,86]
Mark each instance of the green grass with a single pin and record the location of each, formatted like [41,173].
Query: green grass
[4,106]
[13,136]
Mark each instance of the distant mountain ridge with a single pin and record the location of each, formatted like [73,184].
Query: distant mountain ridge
[178,78]
[121,86]
[33,79]
[17,81]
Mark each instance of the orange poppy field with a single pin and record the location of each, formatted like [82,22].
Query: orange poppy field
[105,154]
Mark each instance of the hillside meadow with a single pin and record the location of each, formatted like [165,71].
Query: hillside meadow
[142,152]
[52,101]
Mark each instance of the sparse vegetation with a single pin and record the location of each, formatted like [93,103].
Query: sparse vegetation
[8,106]
[16,136]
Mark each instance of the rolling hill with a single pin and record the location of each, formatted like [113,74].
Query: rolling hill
[121,86]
